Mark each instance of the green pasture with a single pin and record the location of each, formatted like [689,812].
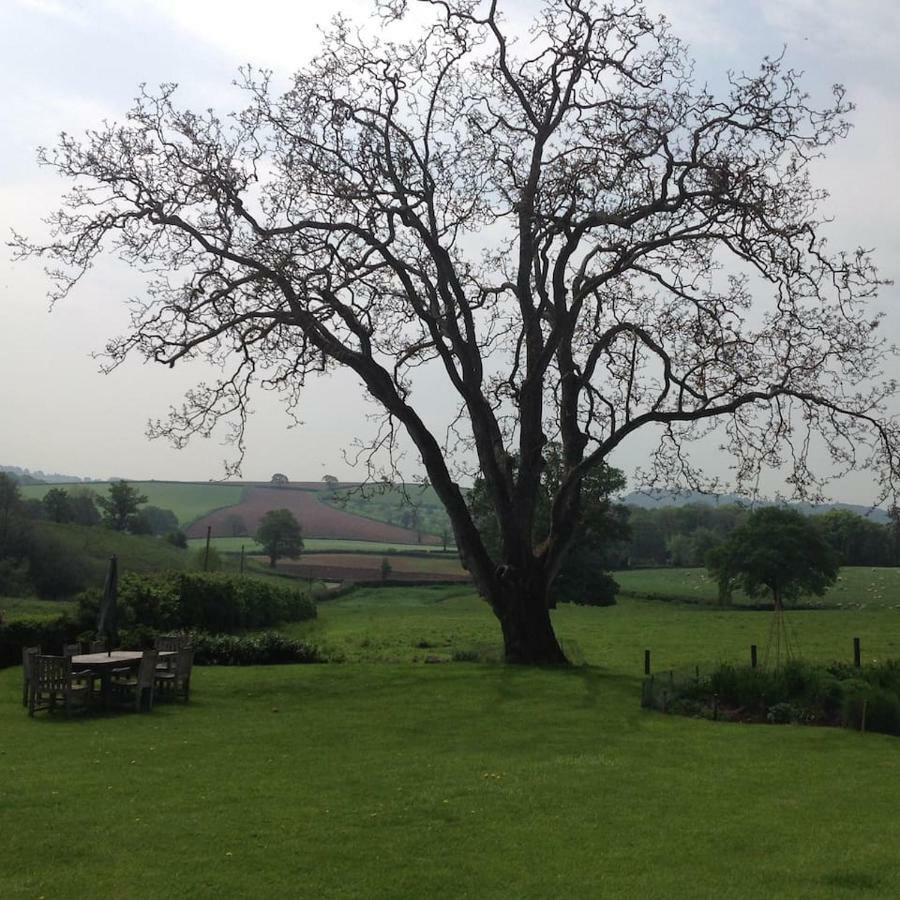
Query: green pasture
[407,624]
[317,545]
[31,607]
[387,503]
[92,547]
[385,777]
[858,586]
[188,500]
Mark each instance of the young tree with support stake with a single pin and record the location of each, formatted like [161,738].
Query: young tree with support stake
[778,553]
[586,242]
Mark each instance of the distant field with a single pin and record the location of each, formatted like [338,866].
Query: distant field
[95,545]
[357,567]
[234,544]
[857,587]
[318,519]
[19,607]
[395,504]
[188,500]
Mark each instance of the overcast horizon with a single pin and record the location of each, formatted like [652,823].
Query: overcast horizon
[69,65]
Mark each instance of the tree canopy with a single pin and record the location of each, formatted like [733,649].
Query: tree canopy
[582,238]
[280,534]
[121,505]
[602,526]
[776,552]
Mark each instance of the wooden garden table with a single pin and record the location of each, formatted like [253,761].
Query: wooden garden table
[104,663]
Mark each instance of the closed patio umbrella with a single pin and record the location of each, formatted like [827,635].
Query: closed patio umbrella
[107,621]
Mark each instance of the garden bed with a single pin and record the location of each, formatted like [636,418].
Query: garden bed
[864,698]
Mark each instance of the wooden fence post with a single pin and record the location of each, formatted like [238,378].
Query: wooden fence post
[857,655]
[206,554]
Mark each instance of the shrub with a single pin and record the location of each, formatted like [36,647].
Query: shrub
[177,539]
[48,633]
[229,603]
[800,692]
[208,601]
[783,714]
[269,648]
[203,562]
[880,706]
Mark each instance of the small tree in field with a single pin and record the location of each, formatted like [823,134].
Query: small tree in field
[120,505]
[279,479]
[776,552]
[280,534]
[57,505]
[779,553]
[581,239]
[235,525]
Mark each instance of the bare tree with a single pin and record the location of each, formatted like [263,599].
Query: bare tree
[585,241]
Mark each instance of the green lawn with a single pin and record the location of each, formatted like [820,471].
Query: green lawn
[384,777]
[188,500]
[858,586]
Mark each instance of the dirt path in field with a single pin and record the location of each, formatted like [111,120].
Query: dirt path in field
[316,519]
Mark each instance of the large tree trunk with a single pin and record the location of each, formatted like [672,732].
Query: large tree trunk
[528,636]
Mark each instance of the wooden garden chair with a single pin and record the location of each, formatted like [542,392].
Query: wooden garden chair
[28,654]
[178,680]
[169,642]
[52,680]
[87,675]
[139,685]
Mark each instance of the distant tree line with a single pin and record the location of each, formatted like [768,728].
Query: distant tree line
[33,559]
[684,536]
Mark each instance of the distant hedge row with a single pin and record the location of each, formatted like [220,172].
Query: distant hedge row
[176,601]
[48,633]
[269,648]
[199,600]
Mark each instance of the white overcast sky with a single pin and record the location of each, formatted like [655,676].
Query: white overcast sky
[67,64]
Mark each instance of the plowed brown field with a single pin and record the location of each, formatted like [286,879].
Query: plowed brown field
[367,567]
[317,519]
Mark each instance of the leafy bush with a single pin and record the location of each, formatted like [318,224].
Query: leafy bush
[269,648]
[880,706]
[177,539]
[204,561]
[800,692]
[48,633]
[209,601]
[783,714]
[229,603]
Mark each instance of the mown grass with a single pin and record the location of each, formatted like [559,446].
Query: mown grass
[188,500]
[397,779]
[441,781]
[857,586]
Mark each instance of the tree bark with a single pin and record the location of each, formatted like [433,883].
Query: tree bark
[528,636]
